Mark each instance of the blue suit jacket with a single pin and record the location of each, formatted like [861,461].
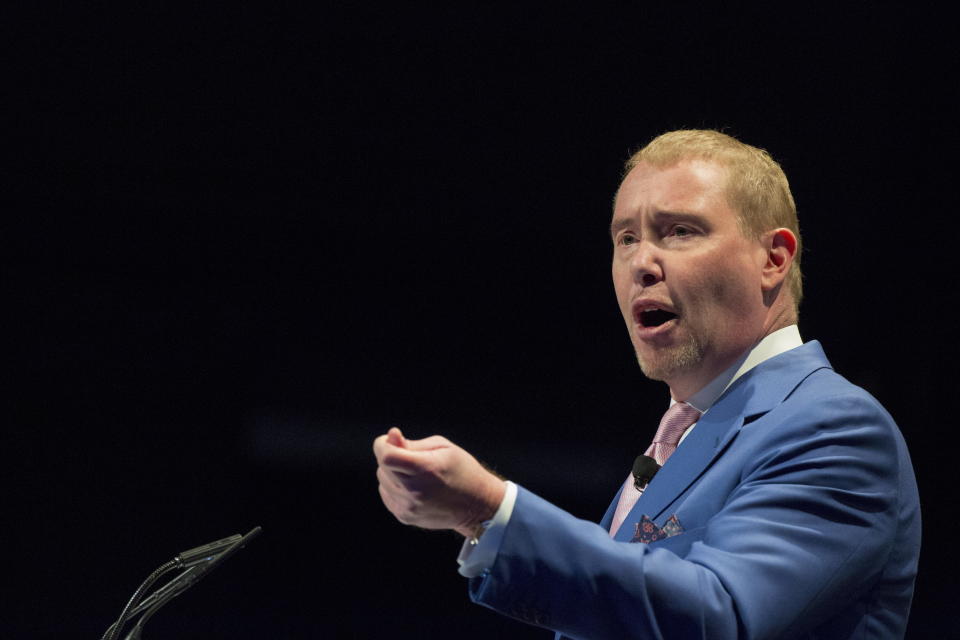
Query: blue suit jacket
[800,518]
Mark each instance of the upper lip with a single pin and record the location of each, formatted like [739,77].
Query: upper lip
[647,304]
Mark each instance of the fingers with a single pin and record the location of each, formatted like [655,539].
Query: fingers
[405,461]
[401,500]
[434,484]
[387,479]
[391,503]
[395,437]
[398,455]
[390,446]
[386,444]
[428,444]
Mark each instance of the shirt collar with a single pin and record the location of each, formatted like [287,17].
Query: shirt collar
[778,342]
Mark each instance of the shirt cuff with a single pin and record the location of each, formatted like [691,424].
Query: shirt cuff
[478,555]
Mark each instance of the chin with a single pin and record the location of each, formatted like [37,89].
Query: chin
[672,362]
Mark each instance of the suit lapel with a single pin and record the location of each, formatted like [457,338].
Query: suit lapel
[707,441]
[752,395]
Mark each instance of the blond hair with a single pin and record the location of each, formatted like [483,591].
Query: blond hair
[756,185]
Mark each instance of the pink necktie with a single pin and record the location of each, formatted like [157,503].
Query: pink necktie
[675,421]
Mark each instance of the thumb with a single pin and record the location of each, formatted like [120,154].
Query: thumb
[395,437]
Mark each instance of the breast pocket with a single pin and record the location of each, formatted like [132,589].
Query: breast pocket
[680,543]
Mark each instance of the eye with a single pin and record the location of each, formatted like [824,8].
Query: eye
[626,239]
[681,231]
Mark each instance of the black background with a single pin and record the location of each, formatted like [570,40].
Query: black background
[242,241]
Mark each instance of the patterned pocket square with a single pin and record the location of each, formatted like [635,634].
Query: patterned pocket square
[647,530]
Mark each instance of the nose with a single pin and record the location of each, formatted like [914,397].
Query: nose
[645,264]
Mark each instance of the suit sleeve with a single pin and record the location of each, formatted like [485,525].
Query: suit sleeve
[800,530]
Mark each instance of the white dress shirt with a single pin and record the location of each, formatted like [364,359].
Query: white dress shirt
[476,556]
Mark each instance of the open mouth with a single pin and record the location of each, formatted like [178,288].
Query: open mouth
[655,317]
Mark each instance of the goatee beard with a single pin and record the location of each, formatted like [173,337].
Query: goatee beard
[672,361]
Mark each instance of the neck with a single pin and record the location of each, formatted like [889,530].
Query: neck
[682,390]
[771,345]
[781,313]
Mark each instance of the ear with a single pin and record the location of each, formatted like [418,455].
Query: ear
[780,246]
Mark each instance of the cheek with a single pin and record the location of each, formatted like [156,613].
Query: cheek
[720,290]
[733,301]
[621,288]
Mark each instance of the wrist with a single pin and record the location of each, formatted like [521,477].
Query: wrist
[484,509]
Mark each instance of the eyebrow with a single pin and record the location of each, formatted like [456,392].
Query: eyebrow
[617,225]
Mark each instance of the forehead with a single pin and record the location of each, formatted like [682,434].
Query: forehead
[693,186]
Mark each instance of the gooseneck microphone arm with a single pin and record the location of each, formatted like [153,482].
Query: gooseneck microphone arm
[188,578]
[163,569]
[197,561]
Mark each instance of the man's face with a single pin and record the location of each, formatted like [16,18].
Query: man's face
[687,280]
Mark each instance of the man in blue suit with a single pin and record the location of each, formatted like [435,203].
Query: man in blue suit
[786,505]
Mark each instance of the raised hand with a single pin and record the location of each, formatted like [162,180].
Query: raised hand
[434,484]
